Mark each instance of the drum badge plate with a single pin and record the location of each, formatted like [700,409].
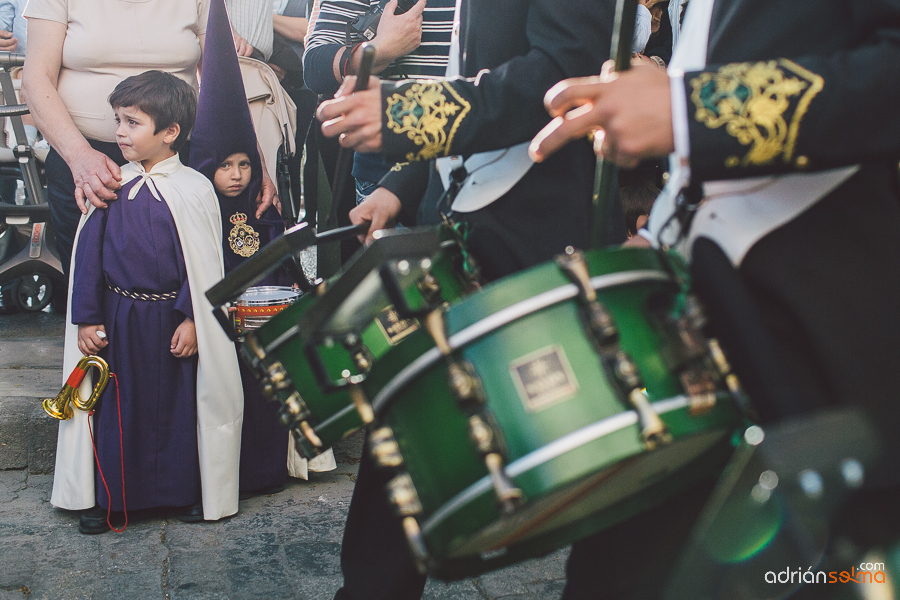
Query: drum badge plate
[543,378]
[393,327]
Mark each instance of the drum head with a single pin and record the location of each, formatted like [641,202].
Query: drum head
[268,295]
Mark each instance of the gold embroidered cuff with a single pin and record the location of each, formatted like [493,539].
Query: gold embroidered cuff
[428,113]
[760,104]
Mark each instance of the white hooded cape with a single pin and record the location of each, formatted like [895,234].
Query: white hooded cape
[220,403]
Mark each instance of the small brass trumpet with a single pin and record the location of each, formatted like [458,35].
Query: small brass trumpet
[61,406]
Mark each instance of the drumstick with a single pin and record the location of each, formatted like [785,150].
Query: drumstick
[605,173]
[345,155]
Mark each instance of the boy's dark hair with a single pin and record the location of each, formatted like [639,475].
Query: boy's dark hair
[166,98]
[637,200]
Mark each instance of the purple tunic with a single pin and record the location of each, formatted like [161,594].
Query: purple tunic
[134,245]
[264,439]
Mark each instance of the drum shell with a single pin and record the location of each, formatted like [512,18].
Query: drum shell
[251,313]
[433,438]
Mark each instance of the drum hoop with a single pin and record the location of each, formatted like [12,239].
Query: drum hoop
[504,317]
[551,451]
[288,296]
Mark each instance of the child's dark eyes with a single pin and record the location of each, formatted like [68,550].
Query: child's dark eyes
[245,164]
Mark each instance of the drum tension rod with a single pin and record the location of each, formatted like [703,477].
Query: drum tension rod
[362,360]
[405,499]
[483,430]
[731,380]
[653,431]
[606,336]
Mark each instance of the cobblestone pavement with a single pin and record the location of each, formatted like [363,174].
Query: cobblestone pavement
[281,546]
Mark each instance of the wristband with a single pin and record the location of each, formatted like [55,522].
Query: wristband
[346,59]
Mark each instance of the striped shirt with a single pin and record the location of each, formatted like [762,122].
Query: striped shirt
[252,19]
[328,36]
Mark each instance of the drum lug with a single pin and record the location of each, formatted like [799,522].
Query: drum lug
[718,357]
[417,546]
[254,350]
[310,434]
[360,400]
[653,431]
[509,497]
[293,409]
[278,376]
[464,385]
[731,380]
[385,449]
[362,358]
[430,288]
[469,396]
[701,391]
[599,321]
[402,494]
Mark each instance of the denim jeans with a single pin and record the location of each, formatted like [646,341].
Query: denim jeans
[363,189]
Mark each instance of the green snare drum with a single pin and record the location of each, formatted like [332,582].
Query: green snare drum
[313,356]
[522,418]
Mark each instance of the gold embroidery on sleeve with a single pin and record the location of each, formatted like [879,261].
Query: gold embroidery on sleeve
[424,113]
[760,104]
[398,166]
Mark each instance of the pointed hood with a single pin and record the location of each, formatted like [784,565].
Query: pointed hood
[224,127]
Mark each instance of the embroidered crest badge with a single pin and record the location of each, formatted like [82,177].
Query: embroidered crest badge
[244,241]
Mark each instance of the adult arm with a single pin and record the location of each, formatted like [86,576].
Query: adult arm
[396,199]
[815,112]
[292,28]
[395,36]
[499,108]
[96,176]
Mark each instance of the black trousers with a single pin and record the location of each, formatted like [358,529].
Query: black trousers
[64,213]
[375,558]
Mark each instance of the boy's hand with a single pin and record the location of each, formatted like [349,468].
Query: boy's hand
[184,342]
[89,342]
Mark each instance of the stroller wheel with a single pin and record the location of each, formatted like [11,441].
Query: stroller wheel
[32,293]
[8,304]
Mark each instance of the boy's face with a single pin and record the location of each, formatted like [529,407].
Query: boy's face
[137,140]
[233,175]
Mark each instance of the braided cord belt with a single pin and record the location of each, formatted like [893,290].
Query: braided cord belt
[147,297]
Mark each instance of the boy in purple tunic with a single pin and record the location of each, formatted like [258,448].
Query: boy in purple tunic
[132,299]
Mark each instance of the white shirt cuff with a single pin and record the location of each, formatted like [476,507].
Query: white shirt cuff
[643,27]
[679,114]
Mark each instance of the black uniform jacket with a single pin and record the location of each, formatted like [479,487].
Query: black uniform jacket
[805,86]
[513,52]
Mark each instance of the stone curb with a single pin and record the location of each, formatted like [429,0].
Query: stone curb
[27,435]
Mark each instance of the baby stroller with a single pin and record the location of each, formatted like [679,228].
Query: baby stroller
[31,275]
[274,117]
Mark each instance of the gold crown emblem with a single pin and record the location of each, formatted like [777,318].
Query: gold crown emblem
[237,218]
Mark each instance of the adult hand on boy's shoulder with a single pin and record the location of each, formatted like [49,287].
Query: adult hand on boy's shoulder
[184,342]
[97,178]
[89,340]
[268,195]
